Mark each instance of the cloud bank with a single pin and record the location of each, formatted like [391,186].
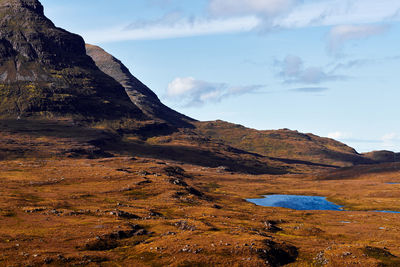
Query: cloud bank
[192,92]
[292,70]
[343,33]
[264,8]
[349,19]
[168,28]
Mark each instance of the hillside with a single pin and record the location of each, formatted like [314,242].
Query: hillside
[284,144]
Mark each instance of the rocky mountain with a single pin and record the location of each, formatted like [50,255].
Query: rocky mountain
[139,93]
[45,70]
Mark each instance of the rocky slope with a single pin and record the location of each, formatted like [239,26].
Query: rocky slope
[45,70]
[139,93]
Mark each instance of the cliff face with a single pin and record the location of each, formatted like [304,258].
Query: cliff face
[139,93]
[44,70]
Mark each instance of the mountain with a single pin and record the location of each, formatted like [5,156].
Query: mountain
[284,144]
[139,93]
[45,71]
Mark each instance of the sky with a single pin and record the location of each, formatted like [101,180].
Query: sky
[327,67]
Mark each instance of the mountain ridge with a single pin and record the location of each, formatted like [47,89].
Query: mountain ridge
[138,92]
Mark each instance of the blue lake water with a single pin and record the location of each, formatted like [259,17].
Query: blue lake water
[387,211]
[392,183]
[297,202]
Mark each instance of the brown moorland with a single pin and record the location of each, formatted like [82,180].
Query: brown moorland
[87,209]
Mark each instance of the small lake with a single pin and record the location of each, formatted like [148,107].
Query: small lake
[297,202]
[392,183]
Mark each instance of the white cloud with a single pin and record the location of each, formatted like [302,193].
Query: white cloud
[340,12]
[389,137]
[166,29]
[192,92]
[390,141]
[309,89]
[232,16]
[250,7]
[338,135]
[343,33]
[294,71]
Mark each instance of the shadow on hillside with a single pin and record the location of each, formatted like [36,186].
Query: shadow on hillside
[196,156]
[359,170]
[48,128]
[302,162]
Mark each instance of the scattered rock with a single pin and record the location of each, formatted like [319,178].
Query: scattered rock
[155,214]
[143,173]
[169,233]
[347,253]
[123,214]
[270,226]
[177,181]
[320,258]
[183,225]
[222,169]
[33,209]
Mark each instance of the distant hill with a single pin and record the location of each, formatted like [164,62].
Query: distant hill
[284,144]
[383,156]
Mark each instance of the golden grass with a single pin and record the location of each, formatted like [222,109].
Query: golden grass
[53,206]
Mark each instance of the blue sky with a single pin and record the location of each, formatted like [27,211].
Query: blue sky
[329,67]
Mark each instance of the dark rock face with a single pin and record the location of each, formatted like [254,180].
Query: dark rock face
[44,70]
[139,93]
